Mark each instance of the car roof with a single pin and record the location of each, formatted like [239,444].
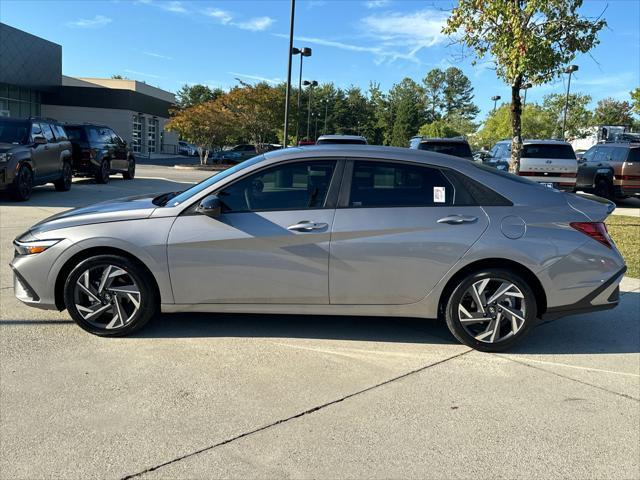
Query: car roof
[75,125]
[438,139]
[539,142]
[618,144]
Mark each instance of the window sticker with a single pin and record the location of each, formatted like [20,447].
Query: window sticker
[438,195]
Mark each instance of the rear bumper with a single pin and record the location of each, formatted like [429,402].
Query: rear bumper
[605,297]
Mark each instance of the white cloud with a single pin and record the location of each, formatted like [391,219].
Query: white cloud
[98,21]
[157,55]
[224,17]
[415,30]
[256,77]
[142,74]
[376,3]
[173,6]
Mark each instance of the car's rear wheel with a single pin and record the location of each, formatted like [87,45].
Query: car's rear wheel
[603,188]
[63,184]
[491,310]
[22,184]
[103,172]
[131,170]
[110,296]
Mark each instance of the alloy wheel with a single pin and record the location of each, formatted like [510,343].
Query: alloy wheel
[25,182]
[492,310]
[107,297]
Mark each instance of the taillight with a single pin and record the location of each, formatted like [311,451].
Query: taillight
[595,230]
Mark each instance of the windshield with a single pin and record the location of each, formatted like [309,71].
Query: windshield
[457,149]
[187,194]
[14,132]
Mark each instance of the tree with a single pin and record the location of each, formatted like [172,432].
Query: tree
[458,95]
[407,114]
[536,123]
[434,84]
[613,112]
[438,129]
[578,114]
[635,100]
[208,125]
[118,77]
[190,95]
[257,112]
[529,40]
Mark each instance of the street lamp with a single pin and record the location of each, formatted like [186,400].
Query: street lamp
[310,84]
[289,60]
[525,87]
[326,110]
[495,99]
[303,52]
[570,69]
[315,132]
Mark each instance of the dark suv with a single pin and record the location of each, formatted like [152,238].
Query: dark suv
[33,152]
[458,147]
[98,152]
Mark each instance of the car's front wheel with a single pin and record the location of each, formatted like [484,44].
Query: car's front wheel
[110,295]
[22,185]
[491,310]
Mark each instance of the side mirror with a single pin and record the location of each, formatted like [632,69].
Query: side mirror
[39,140]
[210,206]
[582,160]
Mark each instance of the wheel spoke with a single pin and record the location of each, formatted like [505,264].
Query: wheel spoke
[105,277]
[102,308]
[88,291]
[476,295]
[504,287]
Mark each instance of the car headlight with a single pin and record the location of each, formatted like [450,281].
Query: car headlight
[5,157]
[32,247]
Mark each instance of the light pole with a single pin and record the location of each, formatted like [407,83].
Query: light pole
[326,110]
[303,52]
[525,87]
[495,99]
[315,131]
[289,60]
[310,84]
[570,69]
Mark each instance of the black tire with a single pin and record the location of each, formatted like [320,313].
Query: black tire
[63,184]
[603,188]
[103,172]
[459,331]
[131,170]
[148,298]
[22,185]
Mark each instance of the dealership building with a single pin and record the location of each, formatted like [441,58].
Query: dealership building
[32,84]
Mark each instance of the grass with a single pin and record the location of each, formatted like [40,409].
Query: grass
[625,231]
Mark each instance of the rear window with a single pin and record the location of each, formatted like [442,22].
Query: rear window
[457,149]
[548,151]
[76,134]
[341,141]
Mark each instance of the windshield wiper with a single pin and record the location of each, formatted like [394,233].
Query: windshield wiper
[161,200]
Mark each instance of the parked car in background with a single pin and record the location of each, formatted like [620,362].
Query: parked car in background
[33,152]
[624,158]
[320,230]
[549,162]
[185,148]
[98,152]
[341,139]
[457,147]
[244,151]
[594,176]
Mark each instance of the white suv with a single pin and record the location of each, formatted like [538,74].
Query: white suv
[550,162]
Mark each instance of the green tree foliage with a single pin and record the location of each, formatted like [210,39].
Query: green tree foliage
[190,95]
[578,114]
[613,112]
[529,40]
[536,123]
[439,128]
[448,93]
[407,114]
[434,85]
[635,100]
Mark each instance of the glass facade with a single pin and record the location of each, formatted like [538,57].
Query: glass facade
[19,102]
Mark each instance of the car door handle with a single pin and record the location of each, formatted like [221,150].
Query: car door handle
[307,226]
[457,219]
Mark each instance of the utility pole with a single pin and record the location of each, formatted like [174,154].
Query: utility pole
[289,60]
[570,69]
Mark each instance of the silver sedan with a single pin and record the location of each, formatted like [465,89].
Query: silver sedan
[327,230]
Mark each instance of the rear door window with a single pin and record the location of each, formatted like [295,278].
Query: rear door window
[382,184]
[550,151]
[619,154]
[61,135]
[47,132]
[76,134]
[634,155]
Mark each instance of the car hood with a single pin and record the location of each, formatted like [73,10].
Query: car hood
[7,147]
[128,208]
[597,209]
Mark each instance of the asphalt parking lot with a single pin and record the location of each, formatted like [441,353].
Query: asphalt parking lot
[267,396]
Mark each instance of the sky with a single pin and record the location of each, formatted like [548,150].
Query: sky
[172,43]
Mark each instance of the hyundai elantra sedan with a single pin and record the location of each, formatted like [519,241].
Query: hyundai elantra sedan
[332,230]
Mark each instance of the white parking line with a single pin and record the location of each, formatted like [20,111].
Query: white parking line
[525,359]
